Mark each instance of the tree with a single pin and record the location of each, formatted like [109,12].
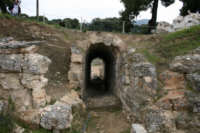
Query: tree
[135,6]
[6,3]
[107,24]
[190,5]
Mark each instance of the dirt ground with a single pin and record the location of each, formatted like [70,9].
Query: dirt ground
[108,122]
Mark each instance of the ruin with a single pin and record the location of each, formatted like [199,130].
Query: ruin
[99,86]
[101,79]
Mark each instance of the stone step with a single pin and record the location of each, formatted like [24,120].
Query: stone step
[104,101]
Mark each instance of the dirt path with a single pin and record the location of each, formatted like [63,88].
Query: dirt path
[107,121]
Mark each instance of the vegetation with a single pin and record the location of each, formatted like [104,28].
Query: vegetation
[6,124]
[4,4]
[133,8]
[179,43]
[107,24]
[191,5]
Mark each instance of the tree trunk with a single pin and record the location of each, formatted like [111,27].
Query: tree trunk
[152,22]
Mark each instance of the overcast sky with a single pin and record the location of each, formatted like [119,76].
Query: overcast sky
[89,9]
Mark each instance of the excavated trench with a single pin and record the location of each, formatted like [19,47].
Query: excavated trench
[95,87]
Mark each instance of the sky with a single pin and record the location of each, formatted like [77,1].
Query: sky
[86,10]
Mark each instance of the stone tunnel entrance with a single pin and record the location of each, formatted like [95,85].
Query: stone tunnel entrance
[101,82]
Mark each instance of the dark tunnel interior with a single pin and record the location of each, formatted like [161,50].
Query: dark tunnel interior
[105,86]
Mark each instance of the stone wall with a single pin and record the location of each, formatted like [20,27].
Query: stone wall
[165,103]
[22,80]
[76,74]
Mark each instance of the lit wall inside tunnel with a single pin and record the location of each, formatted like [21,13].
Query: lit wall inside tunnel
[98,87]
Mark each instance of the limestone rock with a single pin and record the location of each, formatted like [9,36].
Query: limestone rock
[35,64]
[22,100]
[194,101]
[11,63]
[72,99]
[164,27]
[186,64]
[10,81]
[187,21]
[159,121]
[137,128]
[57,116]
[188,122]
[174,100]
[11,44]
[143,85]
[179,23]
[39,98]
[172,80]
[76,58]
[30,117]
[196,51]
[18,129]
[107,39]
[34,81]
[194,80]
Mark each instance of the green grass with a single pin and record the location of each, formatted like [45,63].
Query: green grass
[126,131]
[151,57]
[179,43]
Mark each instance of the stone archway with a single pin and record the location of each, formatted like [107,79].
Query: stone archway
[109,49]
[99,87]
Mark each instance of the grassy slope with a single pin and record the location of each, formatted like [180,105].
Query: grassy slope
[162,49]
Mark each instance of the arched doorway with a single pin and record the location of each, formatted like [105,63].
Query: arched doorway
[99,85]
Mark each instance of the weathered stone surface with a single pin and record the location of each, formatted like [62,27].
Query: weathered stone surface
[138,128]
[136,58]
[72,99]
[188,122]
[193,99]
[186,21]
[35,64]
[11,63]
[196,51]
[18,129]
[11,44]
[2,106]
[105,101]
[76,58]
[107,39]
[179,23]
[186,64]
[31,49]
[22,99]
[30,117]
[142,88]
[10,81]
[39,98]
[57,116]
[164,27]
[194,80]
[173,80]
[174,101]
[34,81]
[159,121]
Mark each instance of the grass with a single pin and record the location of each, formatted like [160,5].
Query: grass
[126,131]
[151,57]
[179,43]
